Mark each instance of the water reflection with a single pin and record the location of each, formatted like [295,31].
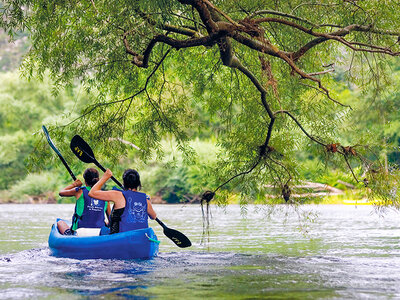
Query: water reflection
[346,253]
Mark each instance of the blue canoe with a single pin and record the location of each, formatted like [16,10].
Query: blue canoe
[141,244]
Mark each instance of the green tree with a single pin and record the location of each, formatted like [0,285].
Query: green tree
[24,107]
[376,114]
[261,70]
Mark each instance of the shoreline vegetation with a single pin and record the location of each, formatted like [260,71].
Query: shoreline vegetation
[327,201]
[228,123]
[305,193]
[52,198]
[169,176]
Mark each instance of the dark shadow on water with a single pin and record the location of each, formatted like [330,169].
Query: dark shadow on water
[134,272]
[123,291]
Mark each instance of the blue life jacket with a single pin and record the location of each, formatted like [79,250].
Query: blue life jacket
[135,213]
[93,211]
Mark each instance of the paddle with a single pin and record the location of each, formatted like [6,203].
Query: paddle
[177,237]
[83,151]
[57,152]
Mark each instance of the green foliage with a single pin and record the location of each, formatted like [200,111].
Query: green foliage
[176,179]
[189,92]
[334,177]
[24,107]
[35,185]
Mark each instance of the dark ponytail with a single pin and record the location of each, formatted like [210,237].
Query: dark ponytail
[131,179]
[91,176]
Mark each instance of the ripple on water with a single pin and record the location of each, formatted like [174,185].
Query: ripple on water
[36,274]
[346,255]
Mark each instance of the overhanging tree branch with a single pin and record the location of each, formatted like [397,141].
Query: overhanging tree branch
[242,32]
[143,60]
[248,33]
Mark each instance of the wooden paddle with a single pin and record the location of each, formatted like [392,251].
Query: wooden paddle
[83,151]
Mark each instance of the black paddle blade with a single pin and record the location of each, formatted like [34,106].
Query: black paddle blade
[82,150]
[177,237]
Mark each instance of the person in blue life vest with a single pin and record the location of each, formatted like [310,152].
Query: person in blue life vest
[89,212]
[131,208]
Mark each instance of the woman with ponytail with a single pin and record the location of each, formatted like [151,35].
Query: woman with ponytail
[131,207]
[89,212]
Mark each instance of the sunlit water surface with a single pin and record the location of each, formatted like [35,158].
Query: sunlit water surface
[347,252]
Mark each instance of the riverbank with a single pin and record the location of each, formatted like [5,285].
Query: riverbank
[50,198]
[156,200]
[306,193]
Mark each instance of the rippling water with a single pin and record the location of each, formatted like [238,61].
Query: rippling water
[347,252]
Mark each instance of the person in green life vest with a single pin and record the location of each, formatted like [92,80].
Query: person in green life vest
[89,212]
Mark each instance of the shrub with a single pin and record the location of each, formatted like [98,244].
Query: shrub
[175,178]
[34,185]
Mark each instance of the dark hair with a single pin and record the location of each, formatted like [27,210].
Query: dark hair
[131,179]
[91,176]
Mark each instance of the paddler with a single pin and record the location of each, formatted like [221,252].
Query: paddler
[89,212]
[131,207]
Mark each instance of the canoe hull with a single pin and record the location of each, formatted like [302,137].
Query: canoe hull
[126,245]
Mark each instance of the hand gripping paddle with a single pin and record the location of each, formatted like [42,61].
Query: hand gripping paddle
[83,151]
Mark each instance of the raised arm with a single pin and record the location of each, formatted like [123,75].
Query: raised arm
[114,196]
[70,190]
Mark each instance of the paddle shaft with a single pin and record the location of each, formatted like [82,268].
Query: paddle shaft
[161,223]
[66,166]
[58,152]
[104,169]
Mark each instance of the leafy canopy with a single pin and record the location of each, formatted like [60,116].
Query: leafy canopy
[261,74]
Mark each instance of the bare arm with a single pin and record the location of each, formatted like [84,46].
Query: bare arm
[150,211]
[114,196]
[70,190]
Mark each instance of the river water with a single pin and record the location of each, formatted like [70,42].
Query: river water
[346,252]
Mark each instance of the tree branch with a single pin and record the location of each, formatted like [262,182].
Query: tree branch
[181,30]
[278,13]
[321,73]
[249,33]
[300,126]
[143,60]
[239,174]
[336,35]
